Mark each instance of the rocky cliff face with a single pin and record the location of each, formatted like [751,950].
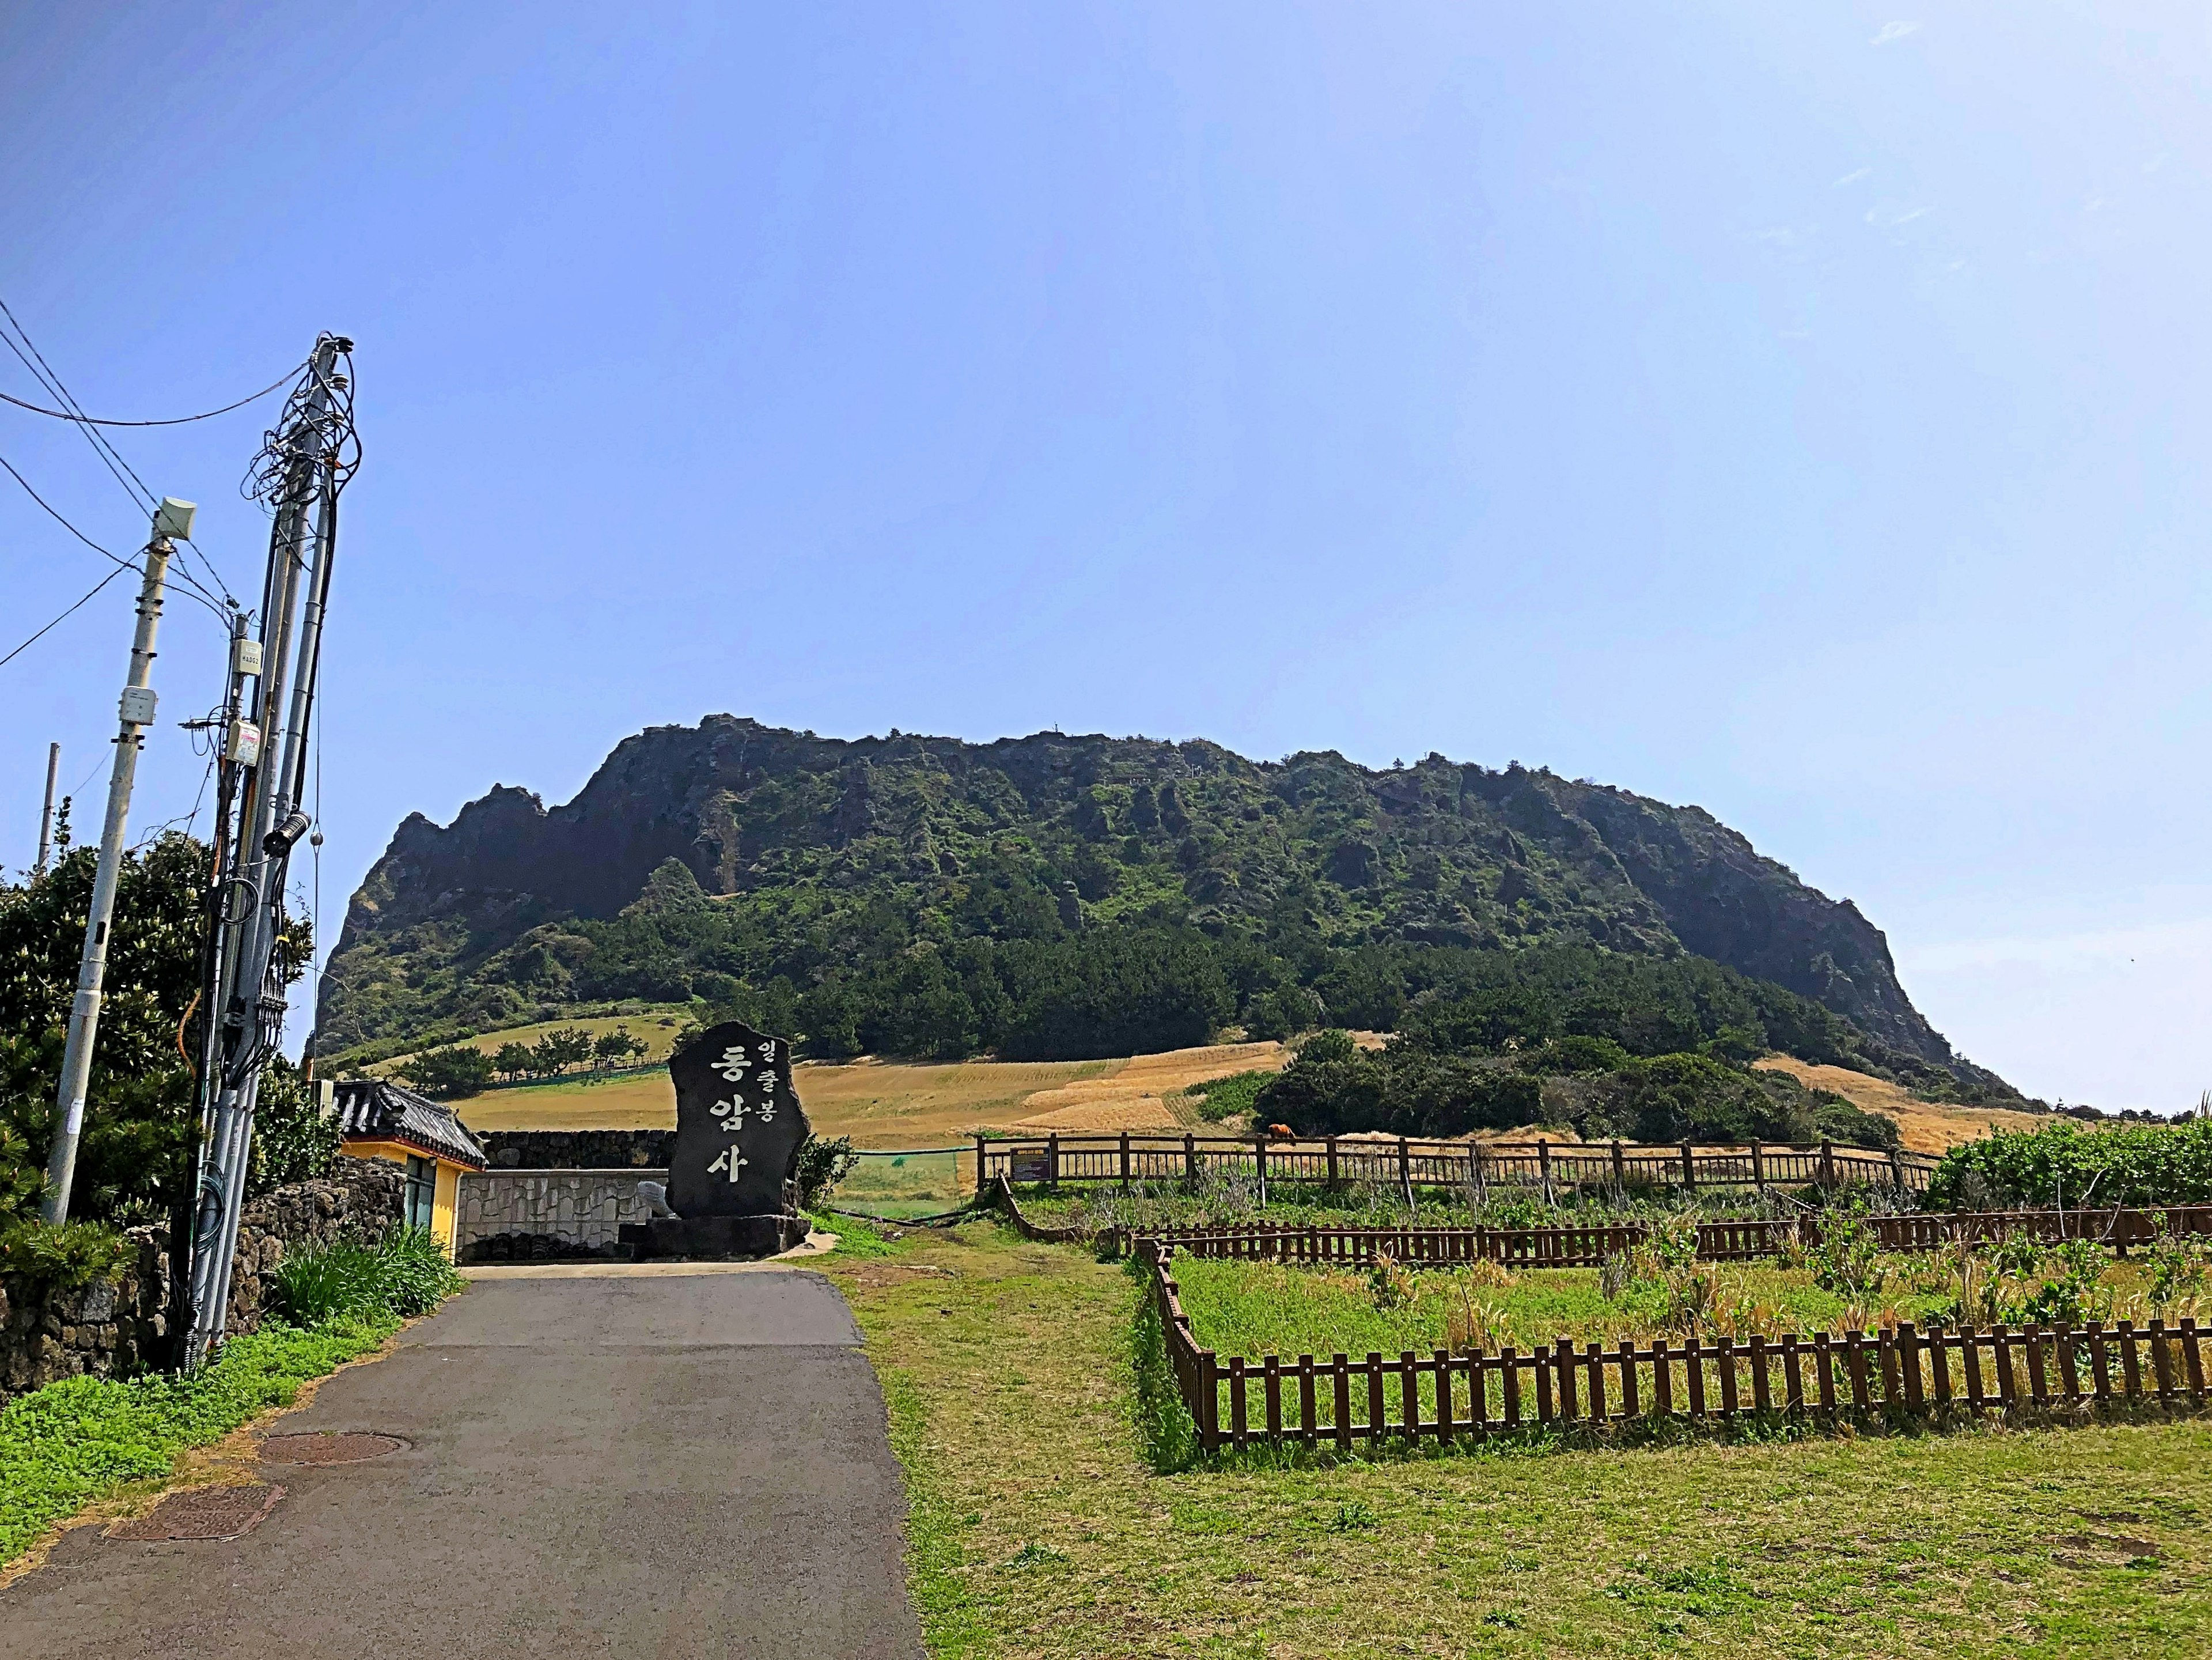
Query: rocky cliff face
[1051,832]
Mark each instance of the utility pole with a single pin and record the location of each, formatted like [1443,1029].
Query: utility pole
[300,473]
[46,817]
[172,519]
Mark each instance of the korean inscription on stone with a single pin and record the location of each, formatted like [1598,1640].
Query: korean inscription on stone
[739,1123]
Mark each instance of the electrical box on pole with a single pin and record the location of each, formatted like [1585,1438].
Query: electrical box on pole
[267,720]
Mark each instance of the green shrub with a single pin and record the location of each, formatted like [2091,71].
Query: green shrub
[1224,1097]
[405,1274]
[2142,1165]
[63,1256]
[822,1165]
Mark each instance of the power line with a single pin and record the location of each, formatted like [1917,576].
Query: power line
[58,622]
[53,513]
[284,379]
[103,447]
[133,485]
[189,587]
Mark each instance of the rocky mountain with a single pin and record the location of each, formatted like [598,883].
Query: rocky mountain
[818,853]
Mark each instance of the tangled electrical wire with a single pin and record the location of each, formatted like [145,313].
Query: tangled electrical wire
[304,431]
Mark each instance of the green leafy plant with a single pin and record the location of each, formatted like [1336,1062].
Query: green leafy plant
[1224,1097]
[822,1165]
[63,1256]
[1845,1257]
[2178,1267]
[2143,1166]
[1390,1284]
[403,1275]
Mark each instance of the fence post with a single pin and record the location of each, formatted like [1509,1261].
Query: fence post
[1332,1161]
[1689,1169]
[1406,1169]
[1897,1169]
[1544,1166]
[1758,1167]
[980,1142]
[1052,1158]
[1125,1159]
[1827,1163]
[1190,1157]
[1259,1160]
[1619,1166]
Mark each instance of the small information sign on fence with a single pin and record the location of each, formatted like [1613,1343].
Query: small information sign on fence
[1032,1166]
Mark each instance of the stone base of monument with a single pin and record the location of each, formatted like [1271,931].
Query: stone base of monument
[712,1239]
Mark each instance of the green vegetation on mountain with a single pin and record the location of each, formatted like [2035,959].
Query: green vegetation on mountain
[1064,897]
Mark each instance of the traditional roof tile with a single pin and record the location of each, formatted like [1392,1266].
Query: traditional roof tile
[378,1109]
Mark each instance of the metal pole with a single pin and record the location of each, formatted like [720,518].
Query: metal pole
[46,817]
[247,1001]
[136,713]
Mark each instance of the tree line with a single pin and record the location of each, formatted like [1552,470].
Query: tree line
[460,1069]
[135,1162]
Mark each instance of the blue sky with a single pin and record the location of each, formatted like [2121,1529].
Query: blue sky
[1795,411]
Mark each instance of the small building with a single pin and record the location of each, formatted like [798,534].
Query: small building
[378,1119]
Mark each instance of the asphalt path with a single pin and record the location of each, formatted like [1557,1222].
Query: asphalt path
[655,1465]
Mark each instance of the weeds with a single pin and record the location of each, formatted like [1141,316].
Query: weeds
[406,1274]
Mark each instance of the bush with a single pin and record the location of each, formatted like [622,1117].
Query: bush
[1224,1097]
[822,1165]
[405,1274]
[455,1071]
[2141,1167]
[63,1256]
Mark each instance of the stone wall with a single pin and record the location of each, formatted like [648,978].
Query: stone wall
[117,1327]
[525,1215]
[538,1150]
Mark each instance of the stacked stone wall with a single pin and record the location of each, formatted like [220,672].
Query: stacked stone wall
[118,1327]
[538,1150]
[532,1215]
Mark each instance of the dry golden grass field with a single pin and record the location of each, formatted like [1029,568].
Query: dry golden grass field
[900,1104]
[1926,1125]
[882,1104]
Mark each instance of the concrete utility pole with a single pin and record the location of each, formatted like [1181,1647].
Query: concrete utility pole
[172,517]
[46,817]
[265,763]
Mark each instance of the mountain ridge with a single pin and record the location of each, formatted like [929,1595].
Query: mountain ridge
[1046,836]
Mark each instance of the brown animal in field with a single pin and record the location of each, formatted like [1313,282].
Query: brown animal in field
[1282,1133]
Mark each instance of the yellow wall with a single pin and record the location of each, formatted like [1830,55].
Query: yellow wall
[445,1190]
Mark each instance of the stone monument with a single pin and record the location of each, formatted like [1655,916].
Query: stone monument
[733,1178]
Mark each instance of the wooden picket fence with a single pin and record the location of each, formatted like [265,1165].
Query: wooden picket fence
[1721,1240]
[1858,1376]
[1548,1167]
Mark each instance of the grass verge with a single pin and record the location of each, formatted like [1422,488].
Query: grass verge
[69,1443]
[1042,1525]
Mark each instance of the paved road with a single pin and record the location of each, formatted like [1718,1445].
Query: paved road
[656,1466]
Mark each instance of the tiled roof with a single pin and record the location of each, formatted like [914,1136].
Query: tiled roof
[378,1109]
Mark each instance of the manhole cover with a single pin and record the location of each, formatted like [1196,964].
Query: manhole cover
[350,1448]
[201,1513]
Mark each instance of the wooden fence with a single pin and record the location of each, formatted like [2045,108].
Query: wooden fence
[1403,1162]
[1859,1376]
[1725,1240]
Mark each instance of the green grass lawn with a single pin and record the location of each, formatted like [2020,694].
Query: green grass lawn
[1040,1528]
